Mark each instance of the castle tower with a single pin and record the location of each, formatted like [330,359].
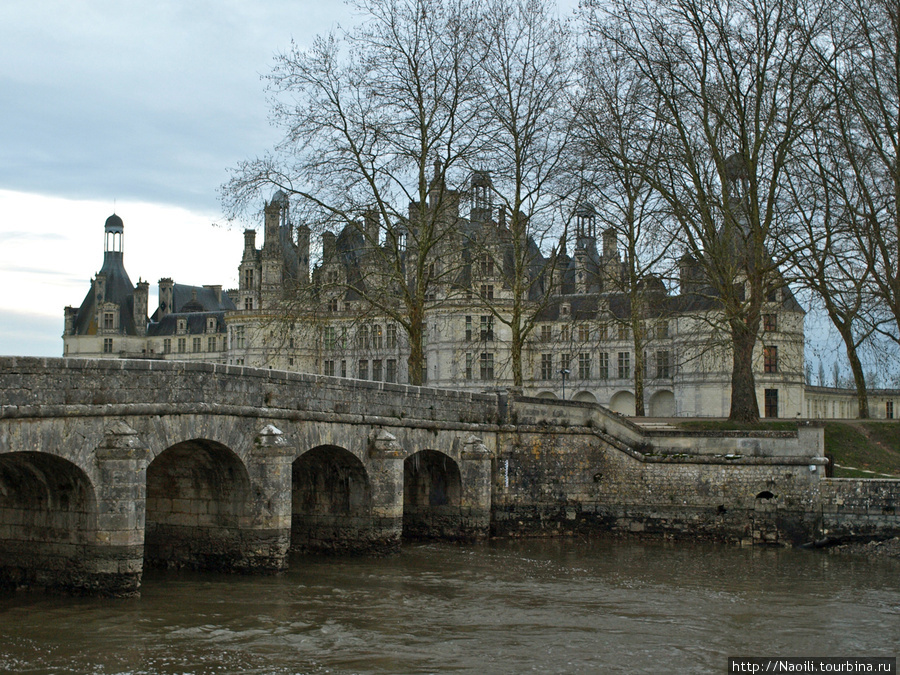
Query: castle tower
[586,256]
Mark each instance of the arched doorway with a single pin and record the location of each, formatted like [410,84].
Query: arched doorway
[622,402]
[331,503]
[198,498]
[432,487]
[662,404]
[584,397]
[48,513]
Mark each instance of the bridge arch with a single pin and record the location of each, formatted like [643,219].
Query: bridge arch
[48,513]
[432,492]
[331,502]
[198,502]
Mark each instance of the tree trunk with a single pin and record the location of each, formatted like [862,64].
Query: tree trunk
[859,378]
[416,361]
[744,406]
[639,368]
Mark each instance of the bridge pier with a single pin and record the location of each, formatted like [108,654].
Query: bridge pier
[267,537]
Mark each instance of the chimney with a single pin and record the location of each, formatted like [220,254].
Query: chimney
[141,300]
[166,297]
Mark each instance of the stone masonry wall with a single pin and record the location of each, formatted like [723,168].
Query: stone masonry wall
[860,508]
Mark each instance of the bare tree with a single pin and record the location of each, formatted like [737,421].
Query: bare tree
[525,105]
[735,82]
[617,136]
[367,112]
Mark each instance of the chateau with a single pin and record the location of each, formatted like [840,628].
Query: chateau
[287,315]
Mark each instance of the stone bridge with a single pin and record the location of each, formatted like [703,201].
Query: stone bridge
[107,466]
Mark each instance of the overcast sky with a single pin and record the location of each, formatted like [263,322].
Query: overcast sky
[134,107]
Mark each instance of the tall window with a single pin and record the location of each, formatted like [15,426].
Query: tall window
[377,337]
[623,331]
[182,345]
[487,265]
[624,365]
[889,410]
[487,366]
[237,336]
[197,345]
[248,278]
[468,366]
[376,370]
[771,401]
[662,330]
[603,365]
[330,337]
[363,370]
[468,329]
[167,345]
[584,333]
[603,331]
[770,322]
[487,327]
[362,339]
[109,320]
[107,345]
[584,366]
[248,303]
[391,335]
[390,370]
[487,291]
[663,368]
[328,367]
[546,333]
[211,344]
[333,305]
[770,359]
[546,366]
[343,369]
[563,333]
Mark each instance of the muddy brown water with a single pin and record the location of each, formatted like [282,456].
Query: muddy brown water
[547,606]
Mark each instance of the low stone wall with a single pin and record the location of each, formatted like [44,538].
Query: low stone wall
[860,508]
[572,480]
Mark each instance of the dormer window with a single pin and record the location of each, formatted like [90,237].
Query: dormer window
[210,325]
[182,325]
[109,320]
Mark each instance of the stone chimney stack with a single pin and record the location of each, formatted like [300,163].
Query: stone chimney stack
[141,302]
[166,297]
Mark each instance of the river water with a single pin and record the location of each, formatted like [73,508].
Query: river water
[547,606]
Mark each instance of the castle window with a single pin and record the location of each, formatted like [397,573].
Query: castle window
[584,366]
[210,325]
[363,369]
[330,337]
[624,365]
[487,265]
[362,339]
[772,295]
[248,279]
[771,402]
[182,325]
[377,339]
[248,303]
[333,305]
[107,345]
[889,409]
[487,327]
[603,365]
[343,369]
[487,366]
[197,344]
[167,346]
[390,370]
[182,345]
[623,331]
[770,359]
[376,370]
[663,368]
[332,277]
[468,366]
[603,331]
[109,320]
[487,292]
[328,367]
[391,336]
[770,322]
[237,337]
[546,366]
[468,329]
[211,344]
[662,330]
[584,333]
[564,334]
[546,333]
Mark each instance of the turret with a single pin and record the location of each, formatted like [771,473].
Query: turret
[585,248]
[166,297]
[481,197]
[141,302]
